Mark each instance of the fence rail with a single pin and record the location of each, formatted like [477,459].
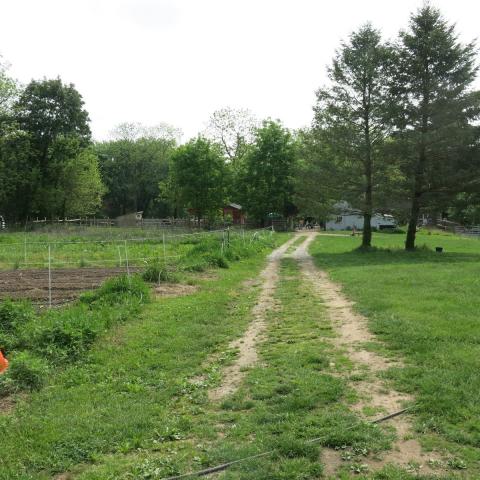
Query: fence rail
[473,231]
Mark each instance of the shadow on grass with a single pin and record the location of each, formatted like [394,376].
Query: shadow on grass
[379,256]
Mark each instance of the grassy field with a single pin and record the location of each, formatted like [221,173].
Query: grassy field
[424,306]
[128,398]
[116,397]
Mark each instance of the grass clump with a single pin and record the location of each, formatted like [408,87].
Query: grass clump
[119,290]
[155,272]
[26,372]
[14,314]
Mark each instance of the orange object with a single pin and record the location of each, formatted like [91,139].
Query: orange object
[3,363]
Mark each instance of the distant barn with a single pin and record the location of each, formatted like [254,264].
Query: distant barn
[234,210]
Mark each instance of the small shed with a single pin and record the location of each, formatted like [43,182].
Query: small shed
[130,219]
[235,212]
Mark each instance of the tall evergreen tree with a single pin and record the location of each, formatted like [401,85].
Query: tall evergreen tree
[351,116]
[435,111]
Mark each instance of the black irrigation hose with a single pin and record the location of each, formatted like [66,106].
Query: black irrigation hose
[224,466]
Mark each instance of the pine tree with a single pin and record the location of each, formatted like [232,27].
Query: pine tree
[435,109]
[351,116]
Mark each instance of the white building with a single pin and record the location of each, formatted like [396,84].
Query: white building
[347,218]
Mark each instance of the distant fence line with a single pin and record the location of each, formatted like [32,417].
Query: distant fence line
[473,231]
[146,223]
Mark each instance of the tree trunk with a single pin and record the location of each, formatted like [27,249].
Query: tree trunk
[368,168]
[417,194]
[412,224]
[367,230]
[421,163]
[367,214]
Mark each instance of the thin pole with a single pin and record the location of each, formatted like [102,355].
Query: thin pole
[164,259]
[126,259]
[49,277]
[25,249]
[164,251]
[119,256]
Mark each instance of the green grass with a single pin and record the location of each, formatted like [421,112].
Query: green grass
[120,399]
[136,406]
[289,398]
[107,247]
[424,305]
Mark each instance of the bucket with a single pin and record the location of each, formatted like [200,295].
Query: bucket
[3,363]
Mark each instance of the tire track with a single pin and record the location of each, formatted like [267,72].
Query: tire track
[353,333]
[246,345]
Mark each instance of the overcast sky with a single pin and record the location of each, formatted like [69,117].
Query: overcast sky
[177,61]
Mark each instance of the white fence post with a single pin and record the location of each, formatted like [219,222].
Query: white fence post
[164,252]
[119,256]
[126,260]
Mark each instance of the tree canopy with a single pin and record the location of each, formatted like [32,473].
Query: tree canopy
[267,180]
[198,178]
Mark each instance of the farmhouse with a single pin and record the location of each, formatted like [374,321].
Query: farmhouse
[347,218]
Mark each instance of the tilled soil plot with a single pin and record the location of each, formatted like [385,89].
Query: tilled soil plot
[67,284]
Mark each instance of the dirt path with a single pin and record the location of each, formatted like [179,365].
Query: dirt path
[352,334]
[246,345]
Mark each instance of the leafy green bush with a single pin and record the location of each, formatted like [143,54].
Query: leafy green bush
[208,251]
[155,272]
[116,290]
[26,372]
[13,314]
[63,335]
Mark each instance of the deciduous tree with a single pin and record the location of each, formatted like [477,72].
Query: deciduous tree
[267,180]
[198,176]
